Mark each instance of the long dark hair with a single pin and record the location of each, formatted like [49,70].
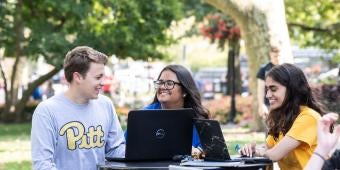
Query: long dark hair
[298,93]
[193,97]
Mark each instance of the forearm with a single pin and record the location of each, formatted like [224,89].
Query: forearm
[260,96]
[264,152]
[317,159]
[43,165]
[271,155]
[115,144]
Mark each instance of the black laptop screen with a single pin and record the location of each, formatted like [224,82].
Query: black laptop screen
[212,139]
[159,134]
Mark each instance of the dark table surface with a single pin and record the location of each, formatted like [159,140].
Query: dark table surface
[137,165]
[165,165]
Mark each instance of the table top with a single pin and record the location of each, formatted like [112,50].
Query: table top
[137,165]
[165,165]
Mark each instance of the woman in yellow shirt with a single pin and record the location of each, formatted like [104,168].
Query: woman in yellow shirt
[292,120]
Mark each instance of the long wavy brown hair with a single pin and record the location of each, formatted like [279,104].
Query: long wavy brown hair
[298,93]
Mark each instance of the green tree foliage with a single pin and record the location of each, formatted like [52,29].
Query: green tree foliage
[50,28]
[124,28]
[314,23]
[199,10]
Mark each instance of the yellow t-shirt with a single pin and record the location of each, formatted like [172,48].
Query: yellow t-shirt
[303,129]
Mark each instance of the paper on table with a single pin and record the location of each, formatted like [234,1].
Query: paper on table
[210,163]
[178,167]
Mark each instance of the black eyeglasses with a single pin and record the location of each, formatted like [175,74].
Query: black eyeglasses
[168,84]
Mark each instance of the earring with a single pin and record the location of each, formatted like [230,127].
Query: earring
[184,95]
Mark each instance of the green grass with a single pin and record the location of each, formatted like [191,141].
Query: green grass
[14,146]
[232,145]
[23,165]
[241,136]
[15,131]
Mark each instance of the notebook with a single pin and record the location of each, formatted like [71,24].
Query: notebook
[158,134]
[214,146]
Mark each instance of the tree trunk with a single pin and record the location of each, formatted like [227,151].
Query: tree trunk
[14,107]
[12,94]
[235,46]
[252,18]
[20,105]
[3,75]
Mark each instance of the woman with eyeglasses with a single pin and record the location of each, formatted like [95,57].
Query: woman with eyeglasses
[176,88]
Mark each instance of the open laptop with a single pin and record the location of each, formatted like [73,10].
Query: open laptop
[158,134]
[214,146]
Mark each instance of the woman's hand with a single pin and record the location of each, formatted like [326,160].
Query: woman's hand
[248,150]
[196,153]
[327,140]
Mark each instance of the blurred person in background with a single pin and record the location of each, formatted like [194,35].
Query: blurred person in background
[49,91]
[263,103]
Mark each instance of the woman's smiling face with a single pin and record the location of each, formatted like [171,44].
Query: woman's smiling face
[172,98]
[275,93]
